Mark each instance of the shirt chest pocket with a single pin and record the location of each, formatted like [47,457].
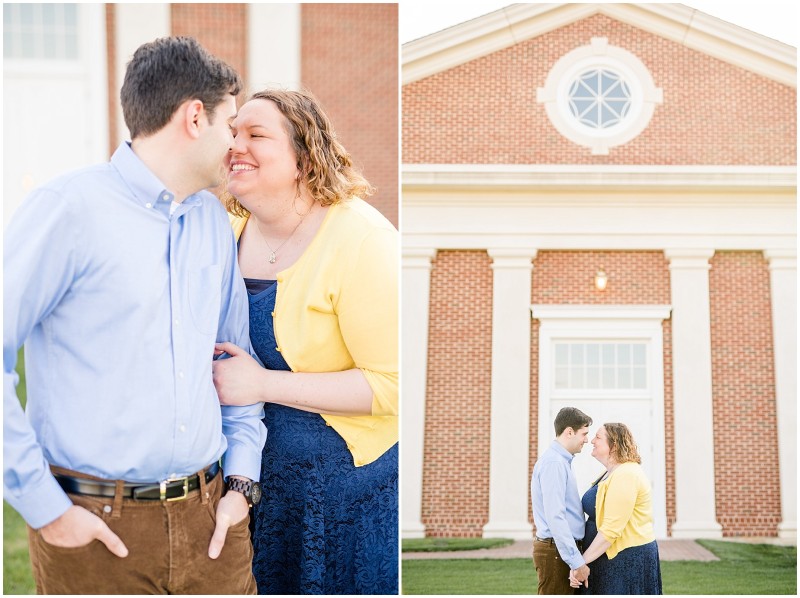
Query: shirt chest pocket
[205,290]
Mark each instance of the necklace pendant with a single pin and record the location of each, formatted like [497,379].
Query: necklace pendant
[272,258]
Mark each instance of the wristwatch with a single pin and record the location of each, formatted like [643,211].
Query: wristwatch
[250,489]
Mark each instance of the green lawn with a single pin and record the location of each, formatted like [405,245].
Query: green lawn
[17,578]
[743,569]
[451,544]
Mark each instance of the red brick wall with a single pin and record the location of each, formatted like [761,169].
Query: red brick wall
[350,63]
[455,481]
[220,28]
[745,441]
[113,96]
[634,277]
[485,111]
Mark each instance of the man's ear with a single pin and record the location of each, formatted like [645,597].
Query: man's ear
[192,113]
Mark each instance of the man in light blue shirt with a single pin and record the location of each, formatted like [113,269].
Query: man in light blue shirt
[119,279]
[557,510]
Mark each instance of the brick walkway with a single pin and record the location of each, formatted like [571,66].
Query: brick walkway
[670,549]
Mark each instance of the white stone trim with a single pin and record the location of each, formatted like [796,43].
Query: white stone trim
[413,374]
[587,177]
[273,46]
[695,487]
[783,285]
[510,395]
[641,322]
[679,23]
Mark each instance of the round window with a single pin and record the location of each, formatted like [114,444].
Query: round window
[599,96]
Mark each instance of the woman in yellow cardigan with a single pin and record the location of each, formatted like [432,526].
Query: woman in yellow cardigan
[621,543]
[321,268]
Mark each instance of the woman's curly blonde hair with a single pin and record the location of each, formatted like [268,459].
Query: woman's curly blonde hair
[621,444]
[325,166]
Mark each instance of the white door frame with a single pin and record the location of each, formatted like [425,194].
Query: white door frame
[613,322]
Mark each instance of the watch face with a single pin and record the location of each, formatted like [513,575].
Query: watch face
[255,493]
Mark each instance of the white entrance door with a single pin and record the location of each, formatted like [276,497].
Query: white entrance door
[55,115]
[608,362]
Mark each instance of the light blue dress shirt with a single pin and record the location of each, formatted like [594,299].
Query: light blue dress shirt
[557,509]
[119,304]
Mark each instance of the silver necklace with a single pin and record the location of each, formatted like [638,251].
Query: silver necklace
[273,255]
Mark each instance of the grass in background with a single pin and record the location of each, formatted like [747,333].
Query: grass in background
[450,544]
[17,576]
[742,569]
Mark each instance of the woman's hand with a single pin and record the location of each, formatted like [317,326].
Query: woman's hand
[239,379]
[572,581]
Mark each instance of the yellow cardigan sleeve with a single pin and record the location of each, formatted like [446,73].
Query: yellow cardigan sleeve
[625,509]
[368,317]
[617,504]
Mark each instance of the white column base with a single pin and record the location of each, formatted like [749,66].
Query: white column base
[508,529]
[412,530]
[787,529]
[710,530]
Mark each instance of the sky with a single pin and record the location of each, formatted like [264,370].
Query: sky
[777,20]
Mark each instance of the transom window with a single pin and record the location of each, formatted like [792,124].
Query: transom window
[600,366]
[599,98]
[40,31]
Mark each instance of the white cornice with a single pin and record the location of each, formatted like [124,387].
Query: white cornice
[677,22]
[542,177]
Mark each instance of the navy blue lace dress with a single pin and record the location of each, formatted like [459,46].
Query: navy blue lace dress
[323,526]
[635,570]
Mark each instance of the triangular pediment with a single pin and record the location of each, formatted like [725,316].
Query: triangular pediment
[679,23]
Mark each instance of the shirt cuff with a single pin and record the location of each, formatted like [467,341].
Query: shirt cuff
[40,503]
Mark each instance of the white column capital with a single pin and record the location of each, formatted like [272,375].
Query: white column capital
[418,257]
[781,259]
[512,257]
[689,258]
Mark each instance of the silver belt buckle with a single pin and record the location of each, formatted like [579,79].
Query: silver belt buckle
[162,486]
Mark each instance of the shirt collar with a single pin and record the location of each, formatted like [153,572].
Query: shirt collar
[556,446]
[146,188]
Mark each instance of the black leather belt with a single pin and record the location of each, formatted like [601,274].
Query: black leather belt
[545,540]
[553,542]
[171,489]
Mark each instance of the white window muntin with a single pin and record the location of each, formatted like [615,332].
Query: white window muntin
[38,31]
[606,63]
[601,366]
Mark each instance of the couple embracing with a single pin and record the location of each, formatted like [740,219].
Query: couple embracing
[617,539]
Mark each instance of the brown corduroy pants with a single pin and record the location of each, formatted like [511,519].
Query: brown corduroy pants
[551,570]
[167,549]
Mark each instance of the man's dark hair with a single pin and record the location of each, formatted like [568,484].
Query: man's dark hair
[570,417]
[163,74]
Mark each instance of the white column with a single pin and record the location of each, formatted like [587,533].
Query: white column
[691,365]
[273,53]
[413,376]
[783,284]
[510,412]
[135,24]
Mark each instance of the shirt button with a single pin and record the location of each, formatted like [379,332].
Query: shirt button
[177,322]
[165,197]
[182,428]
[107,509]
[180,374]
[148,205]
